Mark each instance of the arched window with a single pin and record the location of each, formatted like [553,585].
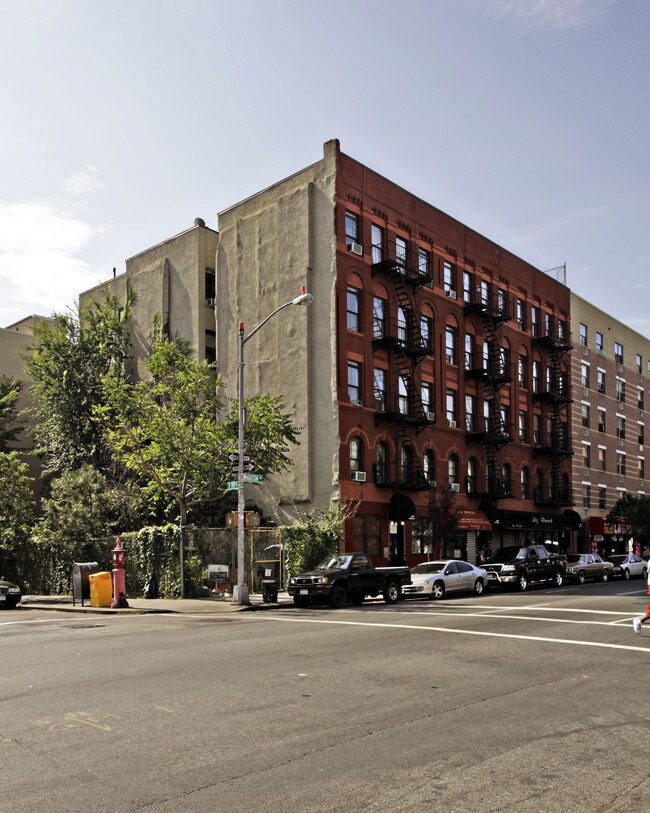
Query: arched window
[472,485]
[452,469]
[382,462]
[525,483]
[429,466]
[506,478]
[356,448]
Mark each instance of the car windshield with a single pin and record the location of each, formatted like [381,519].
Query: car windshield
[508,554]
[573,558]
[617,560]
[427,567]
[336,561]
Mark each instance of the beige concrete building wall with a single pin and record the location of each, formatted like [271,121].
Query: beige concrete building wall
[270,245]
[169,281]
[589,441]
[15,341]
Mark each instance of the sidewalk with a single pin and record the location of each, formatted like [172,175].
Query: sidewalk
[155,605]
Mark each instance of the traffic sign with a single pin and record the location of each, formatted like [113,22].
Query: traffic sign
[232,486]
[253,478]
[233,457]
[247,467]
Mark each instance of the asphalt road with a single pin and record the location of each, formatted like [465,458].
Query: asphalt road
[518,702]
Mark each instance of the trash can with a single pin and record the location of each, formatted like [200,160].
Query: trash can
[270,591]
[101,589]
[81,580]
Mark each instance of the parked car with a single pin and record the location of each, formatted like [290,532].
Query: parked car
[582,566]
[629,564]
[10,594]
[434,579]
[519,566]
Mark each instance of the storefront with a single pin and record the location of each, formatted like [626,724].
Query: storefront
[470,538]
[532,528]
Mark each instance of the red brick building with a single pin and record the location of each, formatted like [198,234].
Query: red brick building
[453,371]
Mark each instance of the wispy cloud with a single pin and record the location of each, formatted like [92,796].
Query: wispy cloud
[84,182]
[554,14]
[41,263]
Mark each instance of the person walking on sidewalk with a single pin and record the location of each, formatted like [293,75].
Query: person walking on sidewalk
[639,621]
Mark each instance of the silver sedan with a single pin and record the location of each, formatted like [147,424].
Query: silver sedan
[629,564]
[434,579]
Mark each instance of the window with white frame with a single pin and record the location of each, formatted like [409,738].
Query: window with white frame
[401,326]
[452,469]
[401,250]
[403,397]
[602,497]
[585,409]
[524,478]
[602,458]
[523,421]
[618,352]
[620,427]
[378,317]
[522,368]
[602,423]
[620,390]
[426,397]
[424,261]
[448,276]
[584,375]
[469,351]
[641,436]
[641,468]
[351,228]
[450,405]
[520,311]
[586,455]
[640,397]
[470,413]
[467,286]
[638,363]
[426,328]
[353,309]
[600,381]
[354,381]
[534,320]
[450,344]
[355,454]
[600,345]
[380,389]
[620,463]
[377,239]
[586,495]
[583,334]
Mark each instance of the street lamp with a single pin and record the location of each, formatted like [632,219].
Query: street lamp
[240,592]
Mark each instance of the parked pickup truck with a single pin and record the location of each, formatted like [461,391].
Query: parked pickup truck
[519,566]
[348,578]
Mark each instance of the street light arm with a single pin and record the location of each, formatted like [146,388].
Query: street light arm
[303,299]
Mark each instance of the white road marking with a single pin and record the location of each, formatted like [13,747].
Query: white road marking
[35,621]
[543,607]
[478,633]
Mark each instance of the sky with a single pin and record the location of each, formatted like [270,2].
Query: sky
[121,121]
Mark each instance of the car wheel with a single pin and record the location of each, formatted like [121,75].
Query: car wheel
[626,574]
[522,582]
[605,575]
[338,598]
[478,587]
[437,590]
[581,577]
[558,578]
[300,601]
[392,593]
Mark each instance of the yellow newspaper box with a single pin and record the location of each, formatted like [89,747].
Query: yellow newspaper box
[101,589]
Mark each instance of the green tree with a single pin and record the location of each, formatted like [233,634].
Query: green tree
[167,432]
[17,512]
[442,513]
[315,535]
[9,426]
[81,507]
[633,513]
[67,364]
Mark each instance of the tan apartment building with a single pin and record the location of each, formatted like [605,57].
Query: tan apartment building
[610,387]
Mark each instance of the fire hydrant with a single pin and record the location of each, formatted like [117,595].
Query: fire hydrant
[118,555]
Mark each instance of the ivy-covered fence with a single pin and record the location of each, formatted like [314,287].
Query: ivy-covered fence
[155,551]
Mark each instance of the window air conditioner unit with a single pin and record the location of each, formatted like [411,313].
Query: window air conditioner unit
[452,424]
[455,487]
[210,303]
[431,416]
[355,248]
[359,476]
[451,294]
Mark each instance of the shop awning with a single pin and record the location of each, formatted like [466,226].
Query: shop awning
[469,520]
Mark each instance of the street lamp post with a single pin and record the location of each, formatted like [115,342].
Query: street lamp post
[240,592]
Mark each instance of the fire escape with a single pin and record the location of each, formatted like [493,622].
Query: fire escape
[554,396]
[492,370]
[403,339]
